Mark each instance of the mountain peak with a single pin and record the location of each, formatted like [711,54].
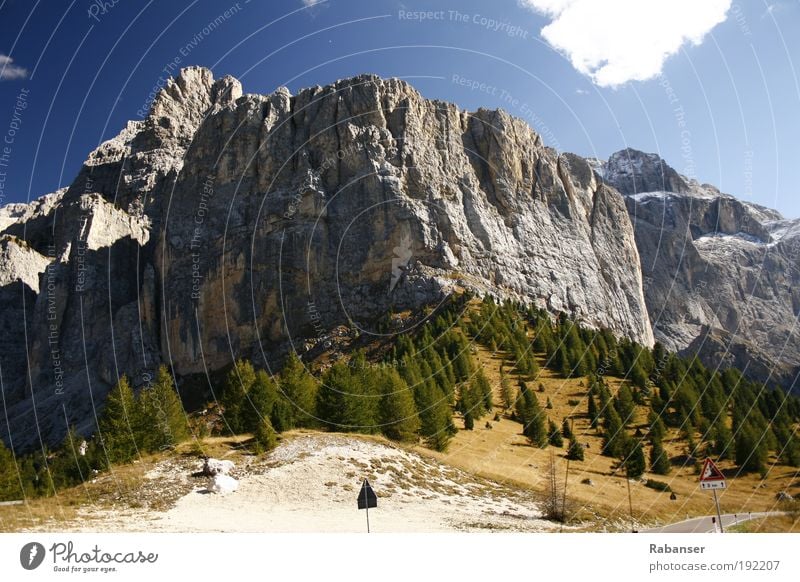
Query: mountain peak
[632,171]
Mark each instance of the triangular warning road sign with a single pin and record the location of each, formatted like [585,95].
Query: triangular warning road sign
[710,472]
[367,497]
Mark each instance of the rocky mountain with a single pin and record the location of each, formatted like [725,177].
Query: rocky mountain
[721,276]
[229,224]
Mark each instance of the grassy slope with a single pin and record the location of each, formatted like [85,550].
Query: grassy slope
[121,488]
[503,454]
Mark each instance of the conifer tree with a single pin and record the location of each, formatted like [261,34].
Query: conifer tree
[68,466]
[633,458]
[345,401]
[482,392]
[530,413]
[9,479]
[723,445]
[594,417]
[751,454]
[398,412]
[561,363]
[435,416]
[554,435]
[566,429]
[469,421]
[659,461]
[299,389]
[657,429]
[259,403]
[637,376]
[265,437]
[624,404]
[506,392]
[238,382]
[119,423]
[160,405]
[613,433]
[575,450]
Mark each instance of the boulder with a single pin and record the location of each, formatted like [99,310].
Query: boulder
[213,467]
[222,484]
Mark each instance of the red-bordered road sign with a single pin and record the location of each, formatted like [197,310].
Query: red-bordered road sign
[711,477]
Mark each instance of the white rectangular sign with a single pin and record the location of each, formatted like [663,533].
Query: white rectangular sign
[712,484]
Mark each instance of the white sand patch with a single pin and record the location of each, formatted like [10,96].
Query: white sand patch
[310,484]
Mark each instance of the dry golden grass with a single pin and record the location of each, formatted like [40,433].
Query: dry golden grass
[120,488]
[502,453]
[788,523]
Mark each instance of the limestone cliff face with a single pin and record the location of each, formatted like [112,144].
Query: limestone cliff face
[229,225]
[721,276]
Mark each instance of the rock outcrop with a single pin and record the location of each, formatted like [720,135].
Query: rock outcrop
[721,276]
[227,224]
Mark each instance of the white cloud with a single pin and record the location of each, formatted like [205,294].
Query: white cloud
[9,71]
[615,41]
[310,3]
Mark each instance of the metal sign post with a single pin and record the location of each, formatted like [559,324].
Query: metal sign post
[367,499]
[712,478]
[719,516]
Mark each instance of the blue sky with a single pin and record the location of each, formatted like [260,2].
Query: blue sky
[726,110]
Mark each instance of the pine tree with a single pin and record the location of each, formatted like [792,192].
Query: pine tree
[566,429]
[659,461]
[575,450]
[265,437]
[554,435]
[624,404]
[163,411]
[346,401]
[282,414]
[613,433]
[549,404]
[657,429]
[435,416]
[594,417]
[9,479]
[69,467]
[469,421]
[506,393]
[751,454]
[637,376]
[299,388]
[561,363]
[633,458]
[258,403]
[238,382]
[468,402]
[530,413]
[486,391]
[399,418]
[723,445]
[119,424]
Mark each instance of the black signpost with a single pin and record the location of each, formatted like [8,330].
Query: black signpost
[367,499]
